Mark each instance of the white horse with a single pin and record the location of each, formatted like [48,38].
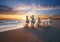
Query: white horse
[32,21]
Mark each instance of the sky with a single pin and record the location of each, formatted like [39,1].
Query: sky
[42,7]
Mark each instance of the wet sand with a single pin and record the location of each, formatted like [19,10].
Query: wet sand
[31,35]
[19,35]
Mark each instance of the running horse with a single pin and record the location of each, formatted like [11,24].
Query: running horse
[39,21]
[32,21]
[27,21]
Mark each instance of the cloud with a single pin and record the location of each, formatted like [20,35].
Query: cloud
[35,7]
[6,10]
